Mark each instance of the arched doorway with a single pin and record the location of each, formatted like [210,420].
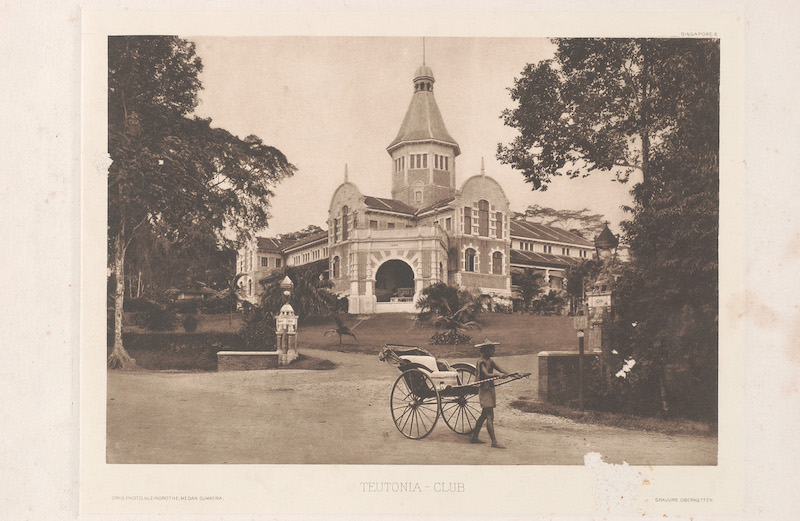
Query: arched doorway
[394,282]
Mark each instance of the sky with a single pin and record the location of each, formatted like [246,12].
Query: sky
[327,102]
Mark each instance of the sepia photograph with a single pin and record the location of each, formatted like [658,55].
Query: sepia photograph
[292,260]
[364,250]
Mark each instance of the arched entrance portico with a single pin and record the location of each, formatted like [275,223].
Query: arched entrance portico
[394,282]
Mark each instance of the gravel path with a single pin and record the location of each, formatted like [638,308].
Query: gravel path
[342,416]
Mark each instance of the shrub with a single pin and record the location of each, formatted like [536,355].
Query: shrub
[548,304]
[450,338]
[258,331]
[190,323]
[607,390]
[136,305]
[218,305]
[158,318]
[179,351]
[186,306]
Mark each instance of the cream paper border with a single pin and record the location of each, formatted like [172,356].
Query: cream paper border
[336,489]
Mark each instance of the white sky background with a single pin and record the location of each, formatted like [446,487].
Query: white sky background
[327,101]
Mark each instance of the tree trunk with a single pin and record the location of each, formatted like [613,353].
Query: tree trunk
[662,384]
[119,357]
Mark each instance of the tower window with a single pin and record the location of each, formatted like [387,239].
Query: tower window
[373,225]
[265,262]
[418,196]
[448,223]
[335,267]
[467,220]
[278,263]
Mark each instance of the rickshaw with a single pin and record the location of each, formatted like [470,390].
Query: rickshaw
[428,388]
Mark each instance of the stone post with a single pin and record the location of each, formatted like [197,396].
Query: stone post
[286,327]
[599,307]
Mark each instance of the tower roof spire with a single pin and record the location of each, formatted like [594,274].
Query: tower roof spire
[423,121]
[345,173]
[483,170]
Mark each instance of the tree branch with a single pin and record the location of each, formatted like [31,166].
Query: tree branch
[133,233]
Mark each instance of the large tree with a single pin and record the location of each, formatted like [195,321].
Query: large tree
[652,106]
[172,169]
[600,104]
[670,290]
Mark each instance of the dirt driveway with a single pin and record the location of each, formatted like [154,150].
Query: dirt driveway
[342,416]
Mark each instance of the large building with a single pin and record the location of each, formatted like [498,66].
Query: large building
[383,252]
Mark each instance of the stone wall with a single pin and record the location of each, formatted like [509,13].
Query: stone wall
[558,375]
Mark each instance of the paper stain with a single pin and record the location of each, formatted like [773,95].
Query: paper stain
[764,316]
[759,312]
[616,487]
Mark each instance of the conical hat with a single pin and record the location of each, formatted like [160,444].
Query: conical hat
[486,342]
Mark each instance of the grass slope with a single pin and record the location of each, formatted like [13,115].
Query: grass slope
[518,334]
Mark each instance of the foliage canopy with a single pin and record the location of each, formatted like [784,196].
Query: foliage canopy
[170,168]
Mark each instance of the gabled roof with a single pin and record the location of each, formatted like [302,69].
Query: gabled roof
[545,260]
[388,205]
[423,121]
[435,206]
[540,232]
[306,240]
[269,244]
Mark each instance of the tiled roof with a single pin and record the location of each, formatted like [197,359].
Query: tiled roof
[270,244]
[546,260]
[306,240]
[541,232]
[423,122]
[606,239]
[438,204]
[388,205]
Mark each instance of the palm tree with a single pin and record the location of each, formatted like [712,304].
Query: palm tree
[458,321]
[342,330]
[530,285]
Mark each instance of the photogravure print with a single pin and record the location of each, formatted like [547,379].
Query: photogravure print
[293,219]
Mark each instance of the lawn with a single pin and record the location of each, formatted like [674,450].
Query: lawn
[517,333]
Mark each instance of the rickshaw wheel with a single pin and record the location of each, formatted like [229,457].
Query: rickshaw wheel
[415,404]
[461,412]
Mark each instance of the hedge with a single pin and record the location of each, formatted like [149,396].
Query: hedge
[181,351]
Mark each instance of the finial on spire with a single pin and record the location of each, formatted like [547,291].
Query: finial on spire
[483,171]
[345,173]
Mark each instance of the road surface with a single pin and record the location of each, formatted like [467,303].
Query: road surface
[342,416]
